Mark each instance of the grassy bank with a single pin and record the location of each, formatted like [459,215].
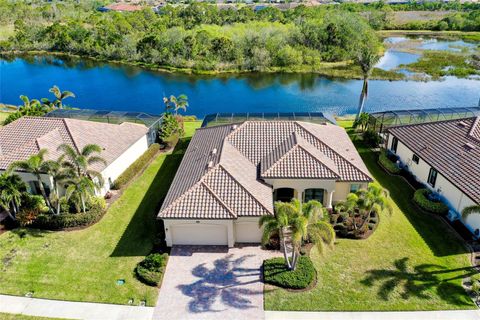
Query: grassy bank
[411,262]
[471,36]
[85,265]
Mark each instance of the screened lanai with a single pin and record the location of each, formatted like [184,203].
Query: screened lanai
[379,121]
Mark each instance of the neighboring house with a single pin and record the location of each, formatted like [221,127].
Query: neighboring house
[232,174]
[444,155]
[122,144]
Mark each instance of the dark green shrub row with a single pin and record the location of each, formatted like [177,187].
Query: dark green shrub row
[372,138]
[67,220]
[136,167]
[421,198]
[150,270]
[276,272]
[388,164]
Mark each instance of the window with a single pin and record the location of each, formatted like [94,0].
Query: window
[432,177]
[415,158]
[355,187]
[394,144]
[313,194]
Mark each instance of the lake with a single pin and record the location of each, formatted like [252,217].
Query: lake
[126,88]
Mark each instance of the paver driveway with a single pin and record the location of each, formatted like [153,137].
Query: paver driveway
[212,282]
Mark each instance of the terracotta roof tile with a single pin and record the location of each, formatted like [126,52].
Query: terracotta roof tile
[227,159]
[450,147]
[26,136]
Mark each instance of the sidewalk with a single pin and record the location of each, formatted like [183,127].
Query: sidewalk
[72,310]
[404,315]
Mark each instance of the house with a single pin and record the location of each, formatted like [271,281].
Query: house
[121,7]
[231,175]
[122,144]
[445,156]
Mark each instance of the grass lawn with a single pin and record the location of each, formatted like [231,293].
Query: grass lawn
[411,262]
[85,265]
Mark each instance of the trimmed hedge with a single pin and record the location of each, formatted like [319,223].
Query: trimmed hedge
[67,220]
[276,272]
[150,270]
[388,164]
[421,198]
[136,167]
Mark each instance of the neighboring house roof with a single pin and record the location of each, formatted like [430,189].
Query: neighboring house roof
[220,176]
[123,7]
[26,136]
[451,147]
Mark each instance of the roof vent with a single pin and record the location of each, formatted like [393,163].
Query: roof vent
[210,164]
[468,146]
[462,124]
[234,127]
[214,151]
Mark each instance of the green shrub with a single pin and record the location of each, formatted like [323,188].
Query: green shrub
[387,163]
[371,138]
[421,198]
[276,272]
[136,167]
[150,270]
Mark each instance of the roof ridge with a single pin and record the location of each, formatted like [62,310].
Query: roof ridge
[318,160]
[334,151]
[232,213]
[280,159]
[476,123]
[243,187]
[64,120]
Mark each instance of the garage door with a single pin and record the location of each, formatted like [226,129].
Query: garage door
[199,234]
[248,232]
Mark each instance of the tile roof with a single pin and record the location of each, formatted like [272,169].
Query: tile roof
[26,136]
[231,160]
[451,147]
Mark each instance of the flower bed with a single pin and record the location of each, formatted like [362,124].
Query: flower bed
[67,220]
[342,223]
[425,199]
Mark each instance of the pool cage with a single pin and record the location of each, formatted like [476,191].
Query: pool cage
[380,121]
[217,119]
[113,117]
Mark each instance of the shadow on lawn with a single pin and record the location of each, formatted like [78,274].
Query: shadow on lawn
[222,284]
[433,231]
[417,281]
[138,237]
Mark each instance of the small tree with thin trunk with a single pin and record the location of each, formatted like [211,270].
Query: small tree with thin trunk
[60,96]
[36,165]
[12,188]
[367,57]
[295,223]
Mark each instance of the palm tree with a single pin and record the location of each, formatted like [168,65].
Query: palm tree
[77,164]
[37,166]
[362,121]
[79,189]
[11,189]
[470,210]
[58,174]
[27,103]
[367,58]
[296,223]
[176,103]
[60,96]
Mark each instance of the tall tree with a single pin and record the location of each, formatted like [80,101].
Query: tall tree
[58,174]
[36,165]
[295,223]
[60,96]
[79,189]
[78,163]
[367,57]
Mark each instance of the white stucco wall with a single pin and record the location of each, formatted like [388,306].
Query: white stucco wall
[171,223]
[457,199]
[247,230]
[342,189]
[28,177]
[117,167]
